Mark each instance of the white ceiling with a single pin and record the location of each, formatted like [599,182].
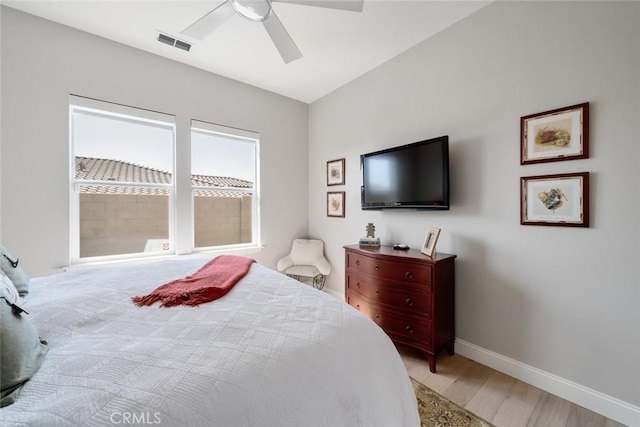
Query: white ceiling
[337,45]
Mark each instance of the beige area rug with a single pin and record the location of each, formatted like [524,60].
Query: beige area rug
[438,411]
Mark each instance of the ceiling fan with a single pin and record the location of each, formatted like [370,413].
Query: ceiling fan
[261,11]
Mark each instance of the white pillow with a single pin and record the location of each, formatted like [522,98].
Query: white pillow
[9,266]
[8,291]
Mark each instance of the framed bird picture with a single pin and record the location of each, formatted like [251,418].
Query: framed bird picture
[561,200]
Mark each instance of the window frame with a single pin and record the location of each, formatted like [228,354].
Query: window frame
[111,110]
[232,133]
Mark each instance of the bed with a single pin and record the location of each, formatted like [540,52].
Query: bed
[271,352]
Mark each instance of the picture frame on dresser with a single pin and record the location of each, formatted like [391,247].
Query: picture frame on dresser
[429,245]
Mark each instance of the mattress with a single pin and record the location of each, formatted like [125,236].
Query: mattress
[271,352]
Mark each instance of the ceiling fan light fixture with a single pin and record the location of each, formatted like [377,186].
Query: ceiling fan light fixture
[261,11]
[253,10]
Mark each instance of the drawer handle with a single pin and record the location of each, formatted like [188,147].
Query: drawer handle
[358,285]
[408,275]
[357,262]
[409,329]
[377,291]
[358,306]
[377,317]
[409,302]
[377,267]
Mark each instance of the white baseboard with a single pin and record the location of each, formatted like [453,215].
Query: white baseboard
[596,401]
[339,295]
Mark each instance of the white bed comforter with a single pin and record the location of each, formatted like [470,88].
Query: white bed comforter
[272,352]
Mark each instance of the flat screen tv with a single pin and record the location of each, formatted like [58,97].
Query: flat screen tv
[412,176]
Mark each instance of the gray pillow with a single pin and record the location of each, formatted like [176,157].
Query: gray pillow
[21,352]
[9,265]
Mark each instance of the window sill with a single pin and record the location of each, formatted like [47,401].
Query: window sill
[196,254]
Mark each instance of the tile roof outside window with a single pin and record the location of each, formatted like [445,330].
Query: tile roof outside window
[95,169]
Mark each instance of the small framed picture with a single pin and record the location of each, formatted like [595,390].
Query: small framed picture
[429,245]
[335,172]
[335,204]
[561,200]
[551,136]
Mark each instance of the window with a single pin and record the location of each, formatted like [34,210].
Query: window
[223,181]
[122,193]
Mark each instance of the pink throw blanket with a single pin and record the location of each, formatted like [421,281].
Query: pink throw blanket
[210,282]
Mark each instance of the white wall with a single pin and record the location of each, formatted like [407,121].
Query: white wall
[43,62]
[559,299]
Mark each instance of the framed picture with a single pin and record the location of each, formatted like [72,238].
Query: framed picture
[555,200]
[335,172]
[429,245]
[335,204]
[551,136]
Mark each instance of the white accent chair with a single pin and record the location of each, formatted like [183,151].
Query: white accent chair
[306,260]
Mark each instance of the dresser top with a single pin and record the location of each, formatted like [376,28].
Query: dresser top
[389,251]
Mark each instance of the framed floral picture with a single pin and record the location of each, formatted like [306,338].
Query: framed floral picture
[561,200]
[550,136]
[335,172]
[429,245]
[335,204]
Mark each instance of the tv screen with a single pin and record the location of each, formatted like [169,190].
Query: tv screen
[409,176]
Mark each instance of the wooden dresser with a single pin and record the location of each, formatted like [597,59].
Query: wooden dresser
[409,295]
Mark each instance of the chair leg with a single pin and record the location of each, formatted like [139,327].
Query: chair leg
[318,281]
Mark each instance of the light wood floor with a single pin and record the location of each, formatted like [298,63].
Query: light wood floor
[496,397]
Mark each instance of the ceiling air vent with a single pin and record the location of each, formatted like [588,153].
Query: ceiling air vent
[172,41]
[182,45]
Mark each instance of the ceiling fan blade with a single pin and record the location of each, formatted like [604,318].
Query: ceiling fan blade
[210,22]
[351,5]
[281,38]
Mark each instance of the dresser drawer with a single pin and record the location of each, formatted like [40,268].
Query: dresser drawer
[407,297]
[392,270]
[403,328]
[355,300]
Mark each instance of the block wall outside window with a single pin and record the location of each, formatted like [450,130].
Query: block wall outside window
[222,220]
[112,224]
